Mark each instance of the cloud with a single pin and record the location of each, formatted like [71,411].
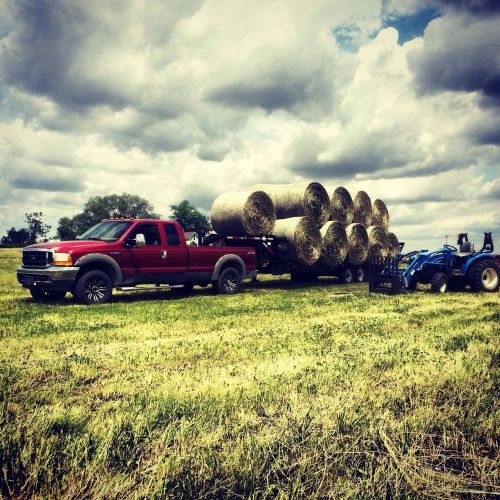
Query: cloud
[460,53]
[185,100]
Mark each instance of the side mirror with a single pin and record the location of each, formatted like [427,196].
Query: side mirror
[140,240]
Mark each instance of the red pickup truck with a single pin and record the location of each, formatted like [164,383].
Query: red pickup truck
[127,252]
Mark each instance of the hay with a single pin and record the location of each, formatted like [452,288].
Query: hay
[342,206]
[380,214]
[245,212]
[298,200]
[377,240]
[392,245]
[303,236]
[333,243]
[362,209]
[357,244]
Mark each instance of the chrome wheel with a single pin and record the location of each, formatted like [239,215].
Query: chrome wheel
[231,281]
[95,289]
[490,278]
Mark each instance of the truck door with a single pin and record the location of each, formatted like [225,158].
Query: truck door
[176,260]
[148,261]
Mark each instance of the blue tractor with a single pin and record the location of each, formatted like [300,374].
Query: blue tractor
[450,268]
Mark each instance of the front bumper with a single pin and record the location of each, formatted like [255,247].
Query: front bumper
[50,278]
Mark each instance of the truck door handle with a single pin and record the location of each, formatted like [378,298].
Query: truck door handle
[163,254]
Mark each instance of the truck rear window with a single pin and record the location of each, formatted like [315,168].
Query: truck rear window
[172,235]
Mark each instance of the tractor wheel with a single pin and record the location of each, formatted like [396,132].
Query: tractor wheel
[439,283]
[483,276]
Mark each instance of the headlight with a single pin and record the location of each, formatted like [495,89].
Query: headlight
[62,259]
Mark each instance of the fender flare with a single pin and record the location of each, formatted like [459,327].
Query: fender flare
[101,257]
[227,259]
[477,258]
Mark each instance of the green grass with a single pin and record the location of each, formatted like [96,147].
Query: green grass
[322,390]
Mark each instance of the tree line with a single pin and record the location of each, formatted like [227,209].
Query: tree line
[98,208]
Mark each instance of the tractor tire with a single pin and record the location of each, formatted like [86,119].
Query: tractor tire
[93,287]
[346,275]
[483,276]
[439,283]
[229,281]
[47,295]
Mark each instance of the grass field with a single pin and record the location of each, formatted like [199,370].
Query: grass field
[322,390]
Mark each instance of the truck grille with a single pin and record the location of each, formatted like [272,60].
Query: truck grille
[36,258]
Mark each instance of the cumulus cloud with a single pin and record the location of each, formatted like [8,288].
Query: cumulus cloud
[460,53]
[188,99]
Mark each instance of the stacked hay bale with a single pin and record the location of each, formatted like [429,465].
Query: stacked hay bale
[332,230]
[244,212]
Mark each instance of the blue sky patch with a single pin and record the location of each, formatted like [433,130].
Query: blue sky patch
[413,25]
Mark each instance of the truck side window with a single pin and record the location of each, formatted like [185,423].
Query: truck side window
[150,232]
[172,235]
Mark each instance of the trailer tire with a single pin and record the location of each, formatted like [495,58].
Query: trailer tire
[439,283]
[483,276]
[346,275]
[229,281]
[359,274]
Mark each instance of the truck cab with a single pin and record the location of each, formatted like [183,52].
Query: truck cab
[127,253]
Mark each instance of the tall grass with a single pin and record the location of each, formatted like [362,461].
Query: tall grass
[284,391]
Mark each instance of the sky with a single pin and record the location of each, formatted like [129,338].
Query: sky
[182,100]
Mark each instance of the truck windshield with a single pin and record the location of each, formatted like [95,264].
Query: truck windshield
[106,231]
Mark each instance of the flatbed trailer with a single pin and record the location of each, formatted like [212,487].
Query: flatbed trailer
[273,257]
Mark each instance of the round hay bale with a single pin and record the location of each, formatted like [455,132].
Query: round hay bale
[378,241]
[333,243]
[304,238]
[342,206]
[298,200]
[245,212]
[392,245]
[357,243]
[362,209]
[380,214]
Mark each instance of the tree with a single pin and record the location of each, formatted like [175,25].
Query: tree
[105,207]
[15,238]
[36,228]
[190,218]
[36,231]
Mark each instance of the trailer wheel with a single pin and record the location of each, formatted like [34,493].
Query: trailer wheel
[346,275]
[359,274]
[483,276]
[229,281]
[439,283]
[47,295]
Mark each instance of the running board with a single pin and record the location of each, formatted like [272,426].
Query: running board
[146,287]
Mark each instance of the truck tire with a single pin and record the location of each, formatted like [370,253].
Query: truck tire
[483,276]
[93,287]
[229,281]
[346,275]
[46,295]
[439,283]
